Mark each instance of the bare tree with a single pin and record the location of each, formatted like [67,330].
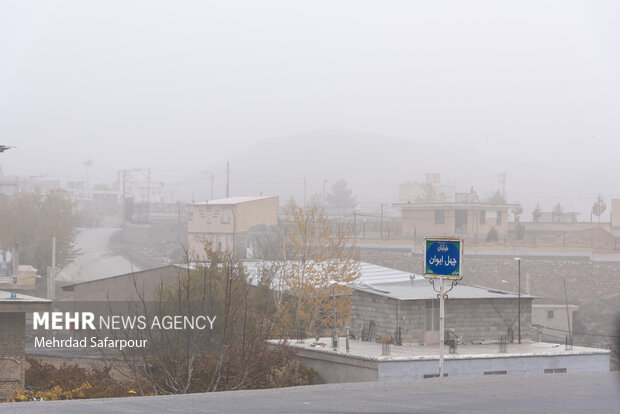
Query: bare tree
[599,207]
[234,355]
[536,213]
[430,194]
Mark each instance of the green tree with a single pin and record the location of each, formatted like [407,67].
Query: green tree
[341,196]
[31,220]
[599,207]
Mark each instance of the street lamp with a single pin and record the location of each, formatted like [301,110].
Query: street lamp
[518,259]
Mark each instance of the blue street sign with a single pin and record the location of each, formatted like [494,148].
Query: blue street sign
[443,258]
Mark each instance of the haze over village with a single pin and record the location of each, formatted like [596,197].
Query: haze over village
[306,172]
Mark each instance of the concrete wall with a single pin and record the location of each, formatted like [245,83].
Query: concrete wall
[473,319]
[410,370]
[338,368]
[12,352]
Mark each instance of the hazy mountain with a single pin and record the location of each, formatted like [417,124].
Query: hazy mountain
[373,165]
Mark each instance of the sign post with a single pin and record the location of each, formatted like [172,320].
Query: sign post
[442,260]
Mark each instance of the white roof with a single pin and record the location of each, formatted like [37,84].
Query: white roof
[422,289]
[231,200]
[368,273]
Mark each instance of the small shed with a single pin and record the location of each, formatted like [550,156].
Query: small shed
[409,312]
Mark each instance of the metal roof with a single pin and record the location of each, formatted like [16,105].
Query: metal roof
[231,200]
[368,273]
[422,289]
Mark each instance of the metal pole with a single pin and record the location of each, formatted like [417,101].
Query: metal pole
[227,179]
[335,331]
[123,199]
[519,301]
[148,194]
[51,278]
[441,327]
[381,221]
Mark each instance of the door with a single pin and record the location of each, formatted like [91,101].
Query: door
[460,221]
[431,324]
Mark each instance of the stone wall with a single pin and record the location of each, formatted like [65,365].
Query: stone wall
[12,352]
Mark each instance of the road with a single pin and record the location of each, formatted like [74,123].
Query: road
[557,393]
[96,258]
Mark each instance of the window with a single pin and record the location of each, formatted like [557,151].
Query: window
[221,240]
[482,217]
[555,371]
[426,376]
[499,217]
[549,314]
[495,372]
[432,315]
[439,219]
[209,215]
[225,216]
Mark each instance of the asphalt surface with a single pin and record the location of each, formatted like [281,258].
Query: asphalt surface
[552,393]
[96,258]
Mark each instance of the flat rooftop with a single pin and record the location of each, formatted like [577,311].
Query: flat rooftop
[414,352]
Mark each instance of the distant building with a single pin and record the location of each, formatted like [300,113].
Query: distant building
[615,212]
[223,222]
[434,209]
[551,321]
[465,219]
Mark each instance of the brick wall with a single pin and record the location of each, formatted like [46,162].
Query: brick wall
[12,352]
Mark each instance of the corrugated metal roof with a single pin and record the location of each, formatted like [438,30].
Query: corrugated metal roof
[368,273]
[231,200]
[422,289]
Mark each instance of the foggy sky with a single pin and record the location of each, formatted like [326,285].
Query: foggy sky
[178,86]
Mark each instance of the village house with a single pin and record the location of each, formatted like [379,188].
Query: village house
[224,222]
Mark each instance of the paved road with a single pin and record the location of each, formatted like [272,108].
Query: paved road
[558,393]
[96,259]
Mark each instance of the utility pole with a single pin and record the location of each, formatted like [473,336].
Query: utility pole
[381,221]
[227,179]
[212,176]
[323,197]
[304,192]
[123,199]
[502,179]
[51,277]
[148,194]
